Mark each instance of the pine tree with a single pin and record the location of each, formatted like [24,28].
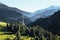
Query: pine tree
[18,25]
[50,36]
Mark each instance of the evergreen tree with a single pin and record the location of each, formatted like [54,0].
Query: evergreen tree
[18,25]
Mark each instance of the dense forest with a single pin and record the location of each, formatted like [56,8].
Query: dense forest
[36,32]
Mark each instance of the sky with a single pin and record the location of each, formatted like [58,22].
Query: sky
[31,5]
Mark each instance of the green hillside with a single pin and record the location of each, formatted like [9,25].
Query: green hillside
[35,34]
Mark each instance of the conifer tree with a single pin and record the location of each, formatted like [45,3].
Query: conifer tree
[18,25]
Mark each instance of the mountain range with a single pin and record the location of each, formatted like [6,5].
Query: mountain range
[10,14]
[45,12]
[51,23]
[35,15]
[47,18]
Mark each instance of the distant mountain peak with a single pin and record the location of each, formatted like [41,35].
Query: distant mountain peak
[10,14]
[53,7]
[45,12]
[1,4]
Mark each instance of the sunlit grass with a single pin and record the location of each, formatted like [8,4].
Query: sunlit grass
[3,24]
[3,37]
[11,37]
[58,37]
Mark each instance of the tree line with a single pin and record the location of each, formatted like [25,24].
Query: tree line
[36,32]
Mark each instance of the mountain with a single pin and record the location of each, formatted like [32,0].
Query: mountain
[45,12]
[10,14]
[51,23]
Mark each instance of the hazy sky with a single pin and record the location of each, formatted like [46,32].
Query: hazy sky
[31,5]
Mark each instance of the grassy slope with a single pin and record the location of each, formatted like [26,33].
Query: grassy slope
[4,36]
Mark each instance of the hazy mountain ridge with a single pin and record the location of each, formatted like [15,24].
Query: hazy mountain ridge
[12,14]
[51,23]
[45,12]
